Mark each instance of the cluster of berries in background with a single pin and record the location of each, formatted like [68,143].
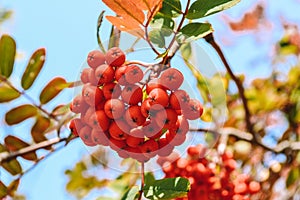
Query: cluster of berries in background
[210,180]
[136,116]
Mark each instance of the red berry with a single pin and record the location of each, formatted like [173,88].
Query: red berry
[85,135]
[120,75]
[152,130]
[102,119]
[194,110]
[132,94]
[254,187]
[134,141]
[95,58]
[75,126]
[134,116]
[165,149]
[182,126]
[114,108]
[179,99]
[99,137]
[84,77]
[111,90]
[171,78]
[133,74]
[104,74]
[118,129]
[78,105]
[115,57]
[158,96]
[117,145]
[166,118]
[154,83]
[149,148]
[92,95]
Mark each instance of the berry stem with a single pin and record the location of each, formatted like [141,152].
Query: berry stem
[142,180]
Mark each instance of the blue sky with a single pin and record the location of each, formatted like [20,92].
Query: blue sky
[67,30]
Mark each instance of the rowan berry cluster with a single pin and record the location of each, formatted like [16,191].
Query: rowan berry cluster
[210,180]
[136,118]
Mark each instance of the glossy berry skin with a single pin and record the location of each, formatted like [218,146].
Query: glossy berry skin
[92,95]
[152,84]
[134,142]
[115,57]
[103,120]
[118,129]
[133,74]
[78,105]
[111,90]
[166,118]
[99,137]
[104,74]
[85,135]
[95,58]
[134,117]
[114,108]
[179,99]
[84,76]
[149,148]
[75,126]
[120,75]
[132,94]
[151,129]
[171,79]
[158,96]
[194,110]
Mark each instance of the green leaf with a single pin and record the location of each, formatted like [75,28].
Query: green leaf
[7,55]
[173,5]
[168,188]
[293,176]
[203,8]
[20,113]
[3,190]
[149,178]
[39,128]
[33,68]
[52,89]
[12,166]
[131,194]
[194,31]
[14,144]
[13,186]
[157,37]
[7,93]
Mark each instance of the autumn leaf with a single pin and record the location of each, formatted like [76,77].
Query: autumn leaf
[131,14]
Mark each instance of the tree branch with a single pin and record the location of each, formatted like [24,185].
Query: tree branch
[246,136]
[5,156]
[210,39]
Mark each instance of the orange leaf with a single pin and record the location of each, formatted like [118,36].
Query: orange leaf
[126,9]
[127,25]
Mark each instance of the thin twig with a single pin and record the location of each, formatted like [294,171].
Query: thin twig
[210,39]
[142,180]
[100,19]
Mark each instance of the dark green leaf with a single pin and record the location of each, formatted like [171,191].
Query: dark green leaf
[3,190]
[39,128]
[52,89]
[20,113]
[7,55]
[157,37]
[33,68]
[13,144]
[131,194]
[7,93]
[149,178]
[293,176]
[193,31]
[203,8]
[13,186]
[173,5]
[12,166]
[168,188]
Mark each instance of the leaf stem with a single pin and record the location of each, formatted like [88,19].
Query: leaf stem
[142,180]
[27,97]
[180,25]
